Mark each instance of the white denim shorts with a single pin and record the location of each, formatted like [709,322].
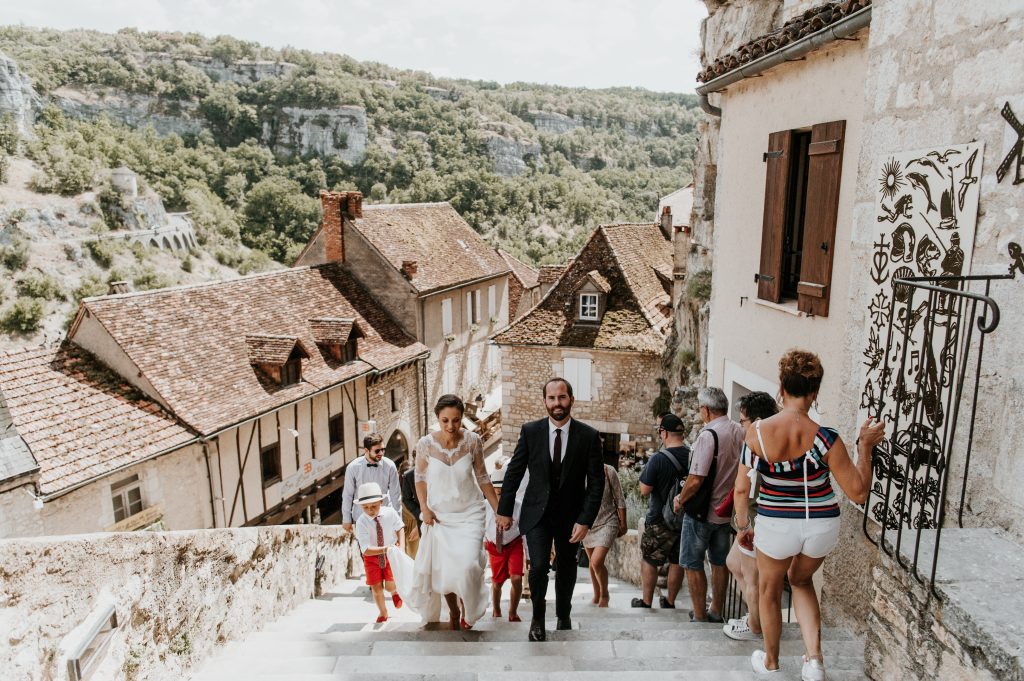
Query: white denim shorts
[781,538]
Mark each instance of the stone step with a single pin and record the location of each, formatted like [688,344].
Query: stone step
[688,675]
[517,632]
[577,650]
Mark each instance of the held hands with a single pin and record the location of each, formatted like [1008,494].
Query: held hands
[504,522]
[578,533]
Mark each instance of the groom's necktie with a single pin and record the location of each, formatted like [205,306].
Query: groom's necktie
[380,542]
[556,459]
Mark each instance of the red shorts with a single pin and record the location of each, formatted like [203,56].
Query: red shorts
[375,574]
[508,561]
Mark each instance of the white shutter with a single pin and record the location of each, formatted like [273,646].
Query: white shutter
[448,378]
[583,376]
[569,371]
[492,301]
[446,317]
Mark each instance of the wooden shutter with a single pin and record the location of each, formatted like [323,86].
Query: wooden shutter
[773,228]
[824,171]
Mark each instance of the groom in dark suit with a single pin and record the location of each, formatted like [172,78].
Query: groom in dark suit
[562,498]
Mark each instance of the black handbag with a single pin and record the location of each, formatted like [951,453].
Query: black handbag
[699,505]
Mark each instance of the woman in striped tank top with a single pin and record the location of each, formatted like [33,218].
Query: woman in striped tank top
[797,509]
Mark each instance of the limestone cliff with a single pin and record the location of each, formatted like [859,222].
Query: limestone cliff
[17,97]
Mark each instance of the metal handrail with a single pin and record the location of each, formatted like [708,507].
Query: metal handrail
[911,468]
[84,656]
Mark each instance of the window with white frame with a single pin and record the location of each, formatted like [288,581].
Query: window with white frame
[577,371]
[492,301]
[588,307]
[446,317]
[127,498]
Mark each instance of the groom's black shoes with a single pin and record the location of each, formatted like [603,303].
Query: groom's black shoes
[563,624]
[537,632]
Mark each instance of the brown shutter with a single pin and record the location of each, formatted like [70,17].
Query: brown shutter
[824,171]
[773,229]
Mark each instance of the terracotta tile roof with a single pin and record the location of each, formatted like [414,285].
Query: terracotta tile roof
[190,342]
[526,275]
[332,330]
[549,274]
[599,281]
[267,349]
[811,21]
[638,312]
[446,250]
[79,419]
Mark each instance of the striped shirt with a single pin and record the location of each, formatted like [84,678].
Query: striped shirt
[798,488]
[359,471]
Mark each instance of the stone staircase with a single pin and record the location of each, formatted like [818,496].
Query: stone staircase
[333,637]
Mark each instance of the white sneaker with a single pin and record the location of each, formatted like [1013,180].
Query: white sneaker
[739,631]
[814,670]
[757,662]
[743,619]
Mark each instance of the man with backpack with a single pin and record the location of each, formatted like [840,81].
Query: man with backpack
[661,480]
[705,499]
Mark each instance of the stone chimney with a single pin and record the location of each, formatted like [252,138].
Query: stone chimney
[666,223]
[409,269]
[336,207]
[115,287]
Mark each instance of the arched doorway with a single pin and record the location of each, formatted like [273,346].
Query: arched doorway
[397,447]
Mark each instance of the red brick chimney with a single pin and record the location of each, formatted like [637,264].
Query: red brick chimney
[336,206]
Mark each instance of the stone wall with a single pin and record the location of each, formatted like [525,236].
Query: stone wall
[178,595]
[623,559]
[408,418]
[623,389]
[969,630]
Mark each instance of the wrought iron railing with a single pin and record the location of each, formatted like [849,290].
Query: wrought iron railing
[736,606]
[934,349]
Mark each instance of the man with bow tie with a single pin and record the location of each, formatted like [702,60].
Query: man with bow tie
[372,466]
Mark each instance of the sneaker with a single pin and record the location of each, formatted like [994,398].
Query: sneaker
[638,603]
[814,670]
[743,619]
[757,662]
[738,630]
[666,605]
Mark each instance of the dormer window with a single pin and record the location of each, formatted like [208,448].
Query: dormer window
[588,307]
[592,297]
[277,358]
[337,337]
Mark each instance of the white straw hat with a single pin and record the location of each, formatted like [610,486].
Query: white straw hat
[498,477]
[368,493]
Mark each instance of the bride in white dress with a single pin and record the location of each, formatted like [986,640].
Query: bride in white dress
[452,485]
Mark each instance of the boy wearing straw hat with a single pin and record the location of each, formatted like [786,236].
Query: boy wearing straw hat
[505,552]
[376,529]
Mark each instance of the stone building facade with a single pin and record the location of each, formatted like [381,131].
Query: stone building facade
[868,67]
[602,326]
[437,277]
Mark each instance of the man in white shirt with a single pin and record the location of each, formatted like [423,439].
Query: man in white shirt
[372,466]
[505,552]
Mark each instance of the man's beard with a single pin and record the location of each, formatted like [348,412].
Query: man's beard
[559,413]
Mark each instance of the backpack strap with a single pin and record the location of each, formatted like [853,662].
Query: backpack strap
[673,459]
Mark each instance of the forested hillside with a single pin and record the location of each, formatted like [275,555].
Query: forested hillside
[245,136]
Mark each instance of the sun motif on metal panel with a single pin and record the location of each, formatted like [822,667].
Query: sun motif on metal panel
[892,179]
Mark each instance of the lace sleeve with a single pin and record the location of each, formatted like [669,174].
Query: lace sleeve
[421,460]
[477,451]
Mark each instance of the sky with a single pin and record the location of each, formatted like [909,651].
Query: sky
[590,43]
